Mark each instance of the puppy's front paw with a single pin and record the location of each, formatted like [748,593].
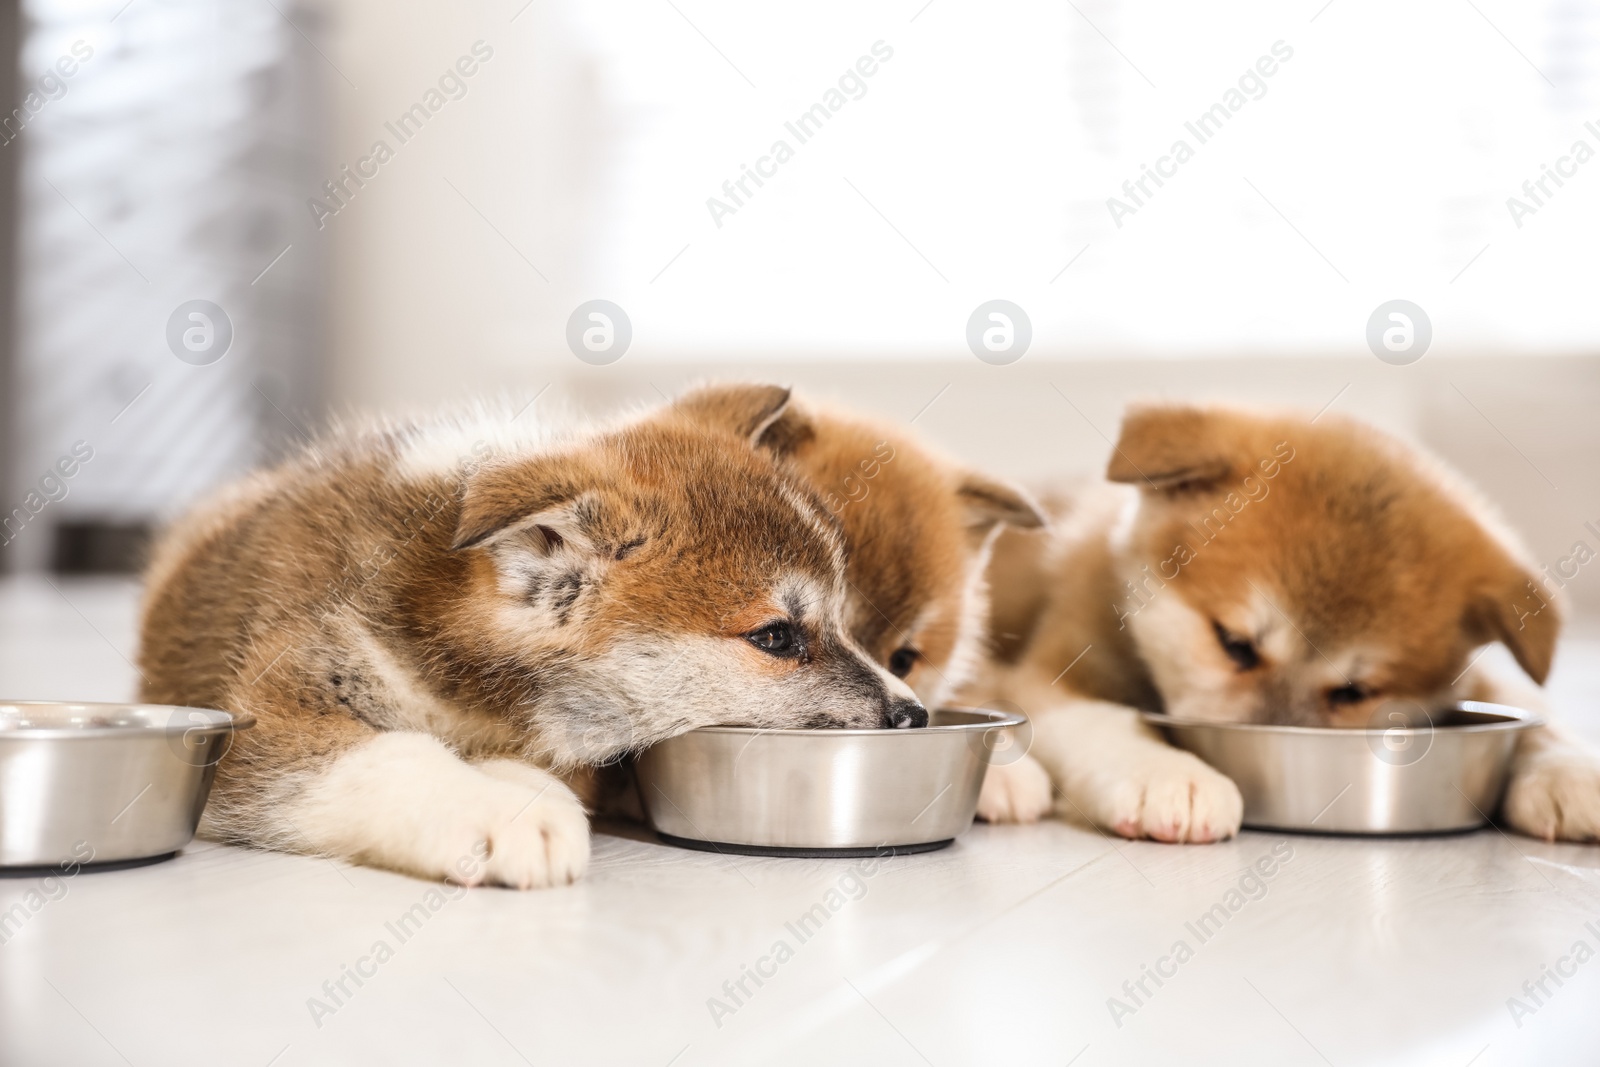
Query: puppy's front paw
[500,827]
[1015,792]
[533,833]
[403,800]
[1556,796]
[1166,795]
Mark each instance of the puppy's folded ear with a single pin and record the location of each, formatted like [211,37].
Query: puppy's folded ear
[550,530]
[1522,615]
[553,495]
[988,502]
[1171,447]
[746,411]
[788,433]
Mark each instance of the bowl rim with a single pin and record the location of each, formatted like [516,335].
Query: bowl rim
[1514,718]
[217,721]
[996,720]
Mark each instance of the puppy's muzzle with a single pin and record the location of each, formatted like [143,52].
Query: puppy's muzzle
[903,714]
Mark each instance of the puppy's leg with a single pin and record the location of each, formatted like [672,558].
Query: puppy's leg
[1554,791]
[403,800]
[1114,771]
[330,785]
[1018,791]
[562,820]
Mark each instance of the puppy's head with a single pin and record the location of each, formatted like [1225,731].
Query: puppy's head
[1276,569]
[664,576]
[917,528]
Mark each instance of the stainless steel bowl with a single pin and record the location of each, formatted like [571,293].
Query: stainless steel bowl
[1409,777]
[104,783]
[821,792]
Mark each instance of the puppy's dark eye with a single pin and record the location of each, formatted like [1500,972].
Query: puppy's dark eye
[901,660]
[776,639]
[1241,650]
[1347,694]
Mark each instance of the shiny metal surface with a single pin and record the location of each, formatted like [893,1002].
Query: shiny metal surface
[1396,780]
[103,783]
[812,791]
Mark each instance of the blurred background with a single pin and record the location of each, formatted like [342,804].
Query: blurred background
[221,223]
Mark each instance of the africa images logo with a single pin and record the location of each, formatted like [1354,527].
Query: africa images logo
[199,332]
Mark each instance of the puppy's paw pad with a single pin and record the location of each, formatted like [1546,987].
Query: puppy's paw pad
[1015,792]
[1557,799]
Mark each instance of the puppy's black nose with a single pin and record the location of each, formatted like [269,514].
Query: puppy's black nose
[905,715]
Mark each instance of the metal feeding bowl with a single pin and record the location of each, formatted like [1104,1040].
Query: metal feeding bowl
[104,783]
[821,792]
[1421,773]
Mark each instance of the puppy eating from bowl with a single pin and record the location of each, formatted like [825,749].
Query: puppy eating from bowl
[437,625]
[918,529]
[1245,566]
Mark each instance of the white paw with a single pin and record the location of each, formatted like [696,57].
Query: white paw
[1556,796]
[404,801]
[502,833]
[1163,794]
[1015,792]
[525,830]
[519,773]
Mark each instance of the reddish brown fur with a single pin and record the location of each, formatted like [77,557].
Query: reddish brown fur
[1352,579]
[557,606]
[1356,539]
[917,529]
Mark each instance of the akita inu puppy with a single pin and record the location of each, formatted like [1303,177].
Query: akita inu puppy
[1251,567]
[433,623]
[918,528]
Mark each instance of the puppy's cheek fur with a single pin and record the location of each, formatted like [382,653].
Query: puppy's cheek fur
[639,693]
[1179,646]
[968,613]
[544,592]
[950,635]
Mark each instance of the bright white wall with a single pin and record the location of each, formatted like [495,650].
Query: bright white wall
[1376,163]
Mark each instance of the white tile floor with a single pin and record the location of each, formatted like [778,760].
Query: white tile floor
[1003,949]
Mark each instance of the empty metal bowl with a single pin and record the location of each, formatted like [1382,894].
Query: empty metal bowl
[1421,773]
[104,783]
[821,792]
